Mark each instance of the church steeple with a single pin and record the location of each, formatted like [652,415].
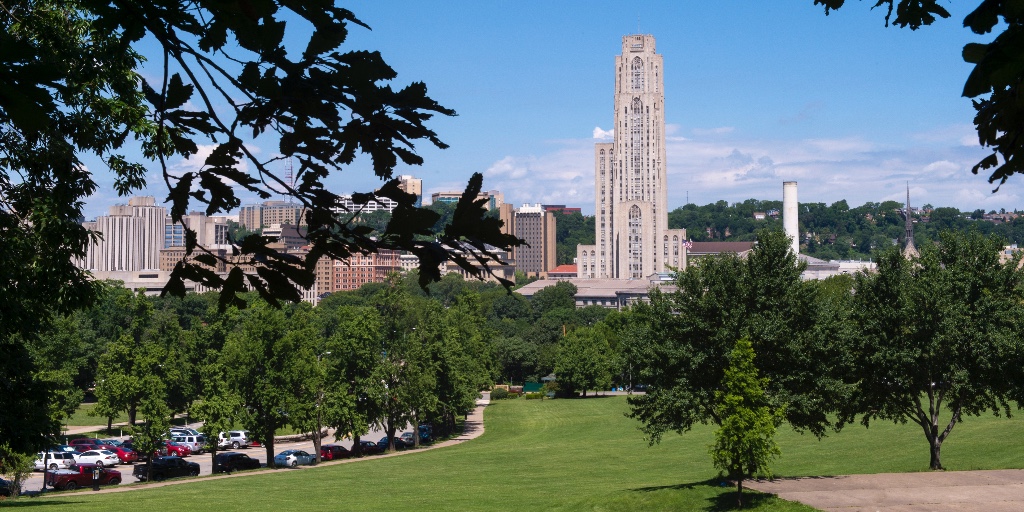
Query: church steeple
[909,251]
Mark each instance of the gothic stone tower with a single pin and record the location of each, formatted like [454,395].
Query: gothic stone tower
[632,236]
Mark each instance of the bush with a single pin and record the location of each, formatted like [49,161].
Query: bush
[499,394]
[534,396]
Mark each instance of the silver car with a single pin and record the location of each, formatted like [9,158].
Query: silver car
[292,458]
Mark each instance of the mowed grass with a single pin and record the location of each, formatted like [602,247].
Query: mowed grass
[563,455]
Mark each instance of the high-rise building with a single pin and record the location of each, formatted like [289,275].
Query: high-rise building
[494,198]
[632,239]
[412,185]
[535,226]
[259,216]
[132,236]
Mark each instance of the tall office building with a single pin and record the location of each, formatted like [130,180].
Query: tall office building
[537,227]
[133,235]
[412,185]
[632,239]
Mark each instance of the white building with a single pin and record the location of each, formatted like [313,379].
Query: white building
[132,237]
[631,206]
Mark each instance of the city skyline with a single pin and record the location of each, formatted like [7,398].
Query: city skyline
[754,95]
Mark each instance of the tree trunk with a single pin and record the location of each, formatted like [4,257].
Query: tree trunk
[739,493]
[936,447]
[357,446]
[131,414]
[268,444]
[390,430]
[416,430]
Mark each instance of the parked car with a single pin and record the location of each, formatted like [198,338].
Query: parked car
[184,431]
[177,449]
[85,440]
[6,488]
[166,467]
[233,439]
[227,462]
[98,457]
[399,444]
[292,458]
[82,447]
[125,455]
[142,456]
[334,451]
[370,448]
[195,443]
[111,442]
[80,475]
[63,448]
[54,460]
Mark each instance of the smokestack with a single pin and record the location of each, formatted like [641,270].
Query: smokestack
[790,214]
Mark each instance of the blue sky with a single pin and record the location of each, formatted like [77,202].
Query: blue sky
[756,93]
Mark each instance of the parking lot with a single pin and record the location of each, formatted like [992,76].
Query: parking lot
[205,460]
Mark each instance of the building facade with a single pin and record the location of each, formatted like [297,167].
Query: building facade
[632,238]
[132,237]
[259,216]
[537,227]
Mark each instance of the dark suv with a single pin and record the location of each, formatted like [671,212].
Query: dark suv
[167,467]
[233,461]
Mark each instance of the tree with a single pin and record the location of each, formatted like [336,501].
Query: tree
[354,340]
[680,342]
[745,442]
[265,370]
[997,73]
[940,333]
[73,93]
[149,437]
[583,360]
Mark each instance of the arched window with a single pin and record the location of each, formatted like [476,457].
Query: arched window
[638,74]
[635,258]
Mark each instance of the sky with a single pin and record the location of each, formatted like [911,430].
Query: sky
[756,93]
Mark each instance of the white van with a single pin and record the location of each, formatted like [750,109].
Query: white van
[233,439]
[54,460]
[195,443]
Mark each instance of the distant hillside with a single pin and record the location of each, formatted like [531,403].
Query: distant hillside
[833,231]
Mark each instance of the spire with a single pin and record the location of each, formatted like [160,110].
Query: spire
[909,251]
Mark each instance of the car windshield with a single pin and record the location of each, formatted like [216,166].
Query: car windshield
[287,452]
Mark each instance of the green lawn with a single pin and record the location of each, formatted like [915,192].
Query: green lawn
[564,455]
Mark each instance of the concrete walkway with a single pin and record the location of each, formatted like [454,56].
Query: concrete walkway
[942,491]
[472,428]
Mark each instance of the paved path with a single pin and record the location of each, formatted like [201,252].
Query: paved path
[473,427]
[941,491]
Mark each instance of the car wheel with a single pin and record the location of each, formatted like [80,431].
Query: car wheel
[53,467]
[115,481]
[159,477]
[70,486]
[193,472]
[234,445]
[295,463]
[99,463]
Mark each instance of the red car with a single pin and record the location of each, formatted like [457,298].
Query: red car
[83,447]
[178,449]
[125,455]
[334,451]
[85,440]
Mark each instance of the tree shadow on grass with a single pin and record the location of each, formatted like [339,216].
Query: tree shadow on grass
[720,501]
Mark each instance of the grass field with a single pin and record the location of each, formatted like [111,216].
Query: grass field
[563,455]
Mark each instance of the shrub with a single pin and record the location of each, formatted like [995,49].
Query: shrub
[499,394]
[534,396]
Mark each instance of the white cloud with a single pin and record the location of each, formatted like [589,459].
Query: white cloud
[603,134]
[721,130]
[708,169]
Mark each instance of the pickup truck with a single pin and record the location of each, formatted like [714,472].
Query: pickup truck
[80,475]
